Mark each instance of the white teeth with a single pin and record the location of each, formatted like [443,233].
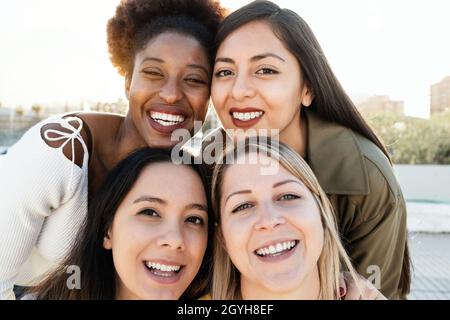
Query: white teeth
[276,248]
[163,267]
[246,116]
[279,247]
[166,119]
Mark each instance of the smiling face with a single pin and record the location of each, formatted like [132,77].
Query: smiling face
[272,231]
[169,87]
[159,233]
[257,82]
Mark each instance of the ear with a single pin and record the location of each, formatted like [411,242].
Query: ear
[107,243]
[127,86]
[307,95]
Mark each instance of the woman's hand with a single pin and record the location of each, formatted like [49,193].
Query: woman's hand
[350,291]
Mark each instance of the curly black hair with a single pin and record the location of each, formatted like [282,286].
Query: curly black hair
[138,21]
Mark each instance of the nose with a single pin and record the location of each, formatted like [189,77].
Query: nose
[242,88]
[171,91]
[172,238]
[268,218]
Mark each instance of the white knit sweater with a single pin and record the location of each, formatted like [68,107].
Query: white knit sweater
[43,202]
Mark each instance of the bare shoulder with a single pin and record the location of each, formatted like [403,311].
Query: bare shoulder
[100,120]
[91,126]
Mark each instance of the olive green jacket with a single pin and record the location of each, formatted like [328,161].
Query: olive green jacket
[368,202]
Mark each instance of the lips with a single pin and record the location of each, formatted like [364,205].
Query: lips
[164,272]
[167,118]
[276,251]
[245,117]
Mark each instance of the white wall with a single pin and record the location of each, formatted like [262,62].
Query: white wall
[425,182]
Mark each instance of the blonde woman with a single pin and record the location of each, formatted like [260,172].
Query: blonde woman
[276,233]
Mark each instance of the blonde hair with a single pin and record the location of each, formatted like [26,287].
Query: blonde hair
[333,258]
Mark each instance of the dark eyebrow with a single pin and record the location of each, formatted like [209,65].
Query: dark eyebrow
[198,66]
[266,55]
[197,206]
[194,66]
[253,59]
[150,199]
[152,59]
[237,192]
[225,60]
[284,182]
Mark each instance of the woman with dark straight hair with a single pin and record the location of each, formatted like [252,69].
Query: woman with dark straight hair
[271,73]
[147,235]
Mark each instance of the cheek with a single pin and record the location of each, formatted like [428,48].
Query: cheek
[129,239]
[218,93]
[196,242]
[282,93]
[236,234]
[199,102]
[311,226]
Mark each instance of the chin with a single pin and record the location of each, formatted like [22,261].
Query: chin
[161,295]
[283,282]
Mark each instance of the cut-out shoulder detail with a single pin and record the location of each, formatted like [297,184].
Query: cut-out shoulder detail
[69,134]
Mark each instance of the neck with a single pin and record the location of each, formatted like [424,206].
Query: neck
[308,289]
[126,140]
[295,134]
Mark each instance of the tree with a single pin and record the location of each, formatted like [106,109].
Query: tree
[19,111]
[414,140]
[37,109]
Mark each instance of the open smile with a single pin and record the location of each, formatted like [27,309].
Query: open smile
[164,273]
[167,119]
[246,117]
[166,122]
[277,251]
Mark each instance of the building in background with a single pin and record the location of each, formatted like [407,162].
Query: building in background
[380,104]
[440,96]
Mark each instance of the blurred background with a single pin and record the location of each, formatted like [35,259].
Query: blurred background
[392,57]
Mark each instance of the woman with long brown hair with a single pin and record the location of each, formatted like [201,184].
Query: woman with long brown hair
[147,235]
[270,73]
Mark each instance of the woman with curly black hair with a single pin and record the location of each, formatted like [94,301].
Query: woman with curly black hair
[163,48]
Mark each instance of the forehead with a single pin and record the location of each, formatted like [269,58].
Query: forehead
[252,175]
[256,37]
[173,46]
[166,180]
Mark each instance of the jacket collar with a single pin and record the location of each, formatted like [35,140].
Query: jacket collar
[335,157]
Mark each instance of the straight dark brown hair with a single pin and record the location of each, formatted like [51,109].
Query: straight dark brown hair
[331,102]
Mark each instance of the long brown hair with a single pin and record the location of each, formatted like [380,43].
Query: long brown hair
[97,279]
[330,102]
[333,258]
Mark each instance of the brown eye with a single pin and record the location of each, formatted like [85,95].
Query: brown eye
[265,71]
[223,73]
[149,212]
[195,220]
[195,81]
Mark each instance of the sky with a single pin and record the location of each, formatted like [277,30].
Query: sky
[54,51]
